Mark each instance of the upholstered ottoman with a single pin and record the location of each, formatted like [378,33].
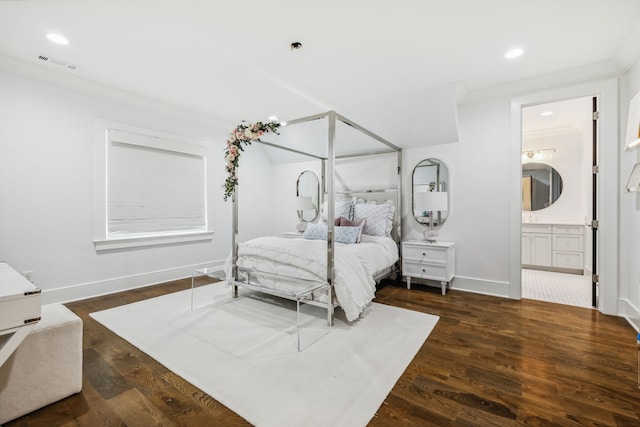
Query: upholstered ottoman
[46,367]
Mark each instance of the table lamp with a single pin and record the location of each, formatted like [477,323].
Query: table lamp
[303,203]
[431,201]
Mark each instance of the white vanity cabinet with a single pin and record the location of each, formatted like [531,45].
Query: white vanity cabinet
[568,246]
[538,239]
[555,247]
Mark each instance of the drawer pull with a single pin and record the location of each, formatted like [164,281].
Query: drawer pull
[423,254]
[424,270]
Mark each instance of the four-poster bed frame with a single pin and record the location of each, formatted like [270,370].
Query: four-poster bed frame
[328,186]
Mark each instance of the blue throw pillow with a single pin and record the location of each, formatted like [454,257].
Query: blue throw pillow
[315,231]
[346,234]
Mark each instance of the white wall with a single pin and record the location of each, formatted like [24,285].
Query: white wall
[47,192]
[478,196]
[629,304]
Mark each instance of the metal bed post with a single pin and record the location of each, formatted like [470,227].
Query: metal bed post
[331,190]
[234,241]
[399,199]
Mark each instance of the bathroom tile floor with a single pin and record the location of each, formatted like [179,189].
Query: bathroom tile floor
[561,288]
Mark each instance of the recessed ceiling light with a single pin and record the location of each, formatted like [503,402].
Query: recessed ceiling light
[57,38]
[514,53]
[546,113]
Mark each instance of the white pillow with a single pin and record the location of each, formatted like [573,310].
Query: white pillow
[379,218]
[343,208]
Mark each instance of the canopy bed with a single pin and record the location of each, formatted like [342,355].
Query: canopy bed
[354,242]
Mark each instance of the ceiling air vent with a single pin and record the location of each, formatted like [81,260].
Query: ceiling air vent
[58,62]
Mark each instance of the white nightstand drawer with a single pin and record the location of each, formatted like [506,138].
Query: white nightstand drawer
[425,271]
[424,253]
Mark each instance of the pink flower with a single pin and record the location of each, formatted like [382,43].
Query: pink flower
[233,150]
[232,138]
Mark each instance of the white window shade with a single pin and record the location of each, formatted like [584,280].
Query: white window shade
[154,186]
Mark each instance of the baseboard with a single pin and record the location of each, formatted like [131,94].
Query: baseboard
[481,286]
[629,312]
[110,286]
[469,284]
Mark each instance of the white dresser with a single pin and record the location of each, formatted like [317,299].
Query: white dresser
[554,247]
[429,260]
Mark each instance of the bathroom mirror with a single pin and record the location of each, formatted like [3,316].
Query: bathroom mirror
[430,176]
[308,185]
[541,186]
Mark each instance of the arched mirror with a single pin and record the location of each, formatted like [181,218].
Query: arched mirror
[430,202]
[308,192]
[541,186]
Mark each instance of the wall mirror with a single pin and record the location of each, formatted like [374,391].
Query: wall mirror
[308,192]
[541,186]
[429,196]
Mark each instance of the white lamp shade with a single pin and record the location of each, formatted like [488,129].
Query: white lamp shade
[304,203]
[431,201]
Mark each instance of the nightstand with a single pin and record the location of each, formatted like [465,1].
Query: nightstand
[429,260]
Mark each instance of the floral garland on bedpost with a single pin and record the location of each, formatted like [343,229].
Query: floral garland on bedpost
[243,134]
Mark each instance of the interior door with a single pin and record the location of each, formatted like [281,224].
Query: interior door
[594,204]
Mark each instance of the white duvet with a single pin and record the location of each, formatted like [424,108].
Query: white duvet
[355,265]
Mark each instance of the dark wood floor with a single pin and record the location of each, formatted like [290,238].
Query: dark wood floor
[488,362]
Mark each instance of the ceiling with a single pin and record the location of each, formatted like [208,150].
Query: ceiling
[571,114]
[396,67]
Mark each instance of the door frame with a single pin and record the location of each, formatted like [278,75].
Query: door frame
[607,184]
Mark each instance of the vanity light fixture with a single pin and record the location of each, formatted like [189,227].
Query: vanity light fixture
[514,53]
[546,113]
[57,38]
[536,154]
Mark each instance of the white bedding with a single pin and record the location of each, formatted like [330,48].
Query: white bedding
[355,265]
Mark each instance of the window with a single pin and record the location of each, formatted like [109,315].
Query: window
[154,188]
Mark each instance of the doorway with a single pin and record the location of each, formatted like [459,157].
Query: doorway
[558,202]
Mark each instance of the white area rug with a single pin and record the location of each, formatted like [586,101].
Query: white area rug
[242,352]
